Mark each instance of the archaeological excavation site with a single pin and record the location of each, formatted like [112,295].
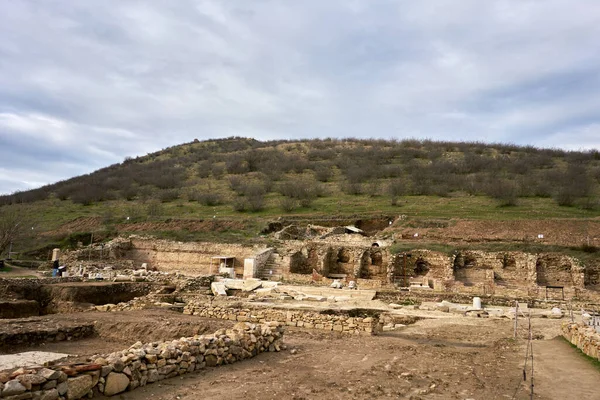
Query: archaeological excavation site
[320,309]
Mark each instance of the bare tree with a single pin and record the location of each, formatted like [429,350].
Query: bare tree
[11,227]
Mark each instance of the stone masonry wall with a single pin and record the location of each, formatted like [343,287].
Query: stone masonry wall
[141,364]
[348,322]
[189,258]
[584,337]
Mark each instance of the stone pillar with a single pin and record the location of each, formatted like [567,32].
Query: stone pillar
[249,270]
[55,254]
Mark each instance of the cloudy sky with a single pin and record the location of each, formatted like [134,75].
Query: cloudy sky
[83,84]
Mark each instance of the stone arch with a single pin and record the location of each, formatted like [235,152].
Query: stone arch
[299,264]
[459,261]
[421,267]
[376,257]
[363,269]
[343,256]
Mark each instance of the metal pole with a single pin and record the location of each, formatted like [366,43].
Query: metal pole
[531,351]
[91,241]
[516,316]
[404,270]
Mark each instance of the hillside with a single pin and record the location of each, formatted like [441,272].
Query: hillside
[238,184]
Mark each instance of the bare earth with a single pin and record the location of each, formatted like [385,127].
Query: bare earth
[432,359]
[435,358]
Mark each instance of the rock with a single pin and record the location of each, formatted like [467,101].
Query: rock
[249,286]
[48,373]
[118,365]
[153,376]
[115,383]
[49,385]
[79,386]
[106,370]
[4,377]
[152,358]
[101,361]
[211,360]
[13,388]
[218,289]
[62,377]
[51,394]
[315,298]
[22,396]
[28,380]
[62,388]
[394,305]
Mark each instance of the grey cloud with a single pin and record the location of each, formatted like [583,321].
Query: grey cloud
[114,78]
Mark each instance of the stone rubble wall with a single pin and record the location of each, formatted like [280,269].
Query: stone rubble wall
[141,364]
[327,321]
[584,337]
[32,333]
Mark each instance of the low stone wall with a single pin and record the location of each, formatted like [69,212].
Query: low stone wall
[28,332]
[355,321]
[584,337]
[141,364]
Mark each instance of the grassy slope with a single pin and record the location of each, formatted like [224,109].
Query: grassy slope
[48,215]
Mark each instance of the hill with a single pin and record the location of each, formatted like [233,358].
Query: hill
[238,184]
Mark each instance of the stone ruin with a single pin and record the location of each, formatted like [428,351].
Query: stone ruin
[141,364]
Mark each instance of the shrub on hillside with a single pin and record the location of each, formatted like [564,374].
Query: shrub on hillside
[206,198]
[507,192]
[397,188]
[169,195]
[154,208]
[287,204]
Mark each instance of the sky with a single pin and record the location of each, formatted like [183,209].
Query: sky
[85,84]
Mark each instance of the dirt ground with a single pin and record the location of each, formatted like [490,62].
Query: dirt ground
[435,358]
[19,272]
[115,331]
[558,231]
[457,358]
[563,232]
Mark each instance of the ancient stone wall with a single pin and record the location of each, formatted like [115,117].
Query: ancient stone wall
[27,333]
[141,364]
[350,321]
[189,258]
[584,337]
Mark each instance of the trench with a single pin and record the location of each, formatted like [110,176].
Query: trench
[26,299]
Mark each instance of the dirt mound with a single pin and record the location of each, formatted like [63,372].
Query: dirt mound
[81,224]
[182,224]
[563,232]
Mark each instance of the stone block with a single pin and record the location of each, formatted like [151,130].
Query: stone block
[12,388]
[115,383]
[79,386]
